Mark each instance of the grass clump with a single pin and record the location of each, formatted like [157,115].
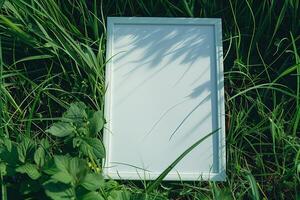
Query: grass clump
[52,53]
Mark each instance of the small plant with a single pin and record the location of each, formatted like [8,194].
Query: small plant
[37,168]
[79,128]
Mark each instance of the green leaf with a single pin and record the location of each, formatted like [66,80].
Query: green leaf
[93,146]
[92,181]
[119,195]
[30,170]
[78,168]
[87,150]
[63,177]
[59,191]
[253,185]
[221,193]
[1,3]
[77,142]
[23,148]
[39,156]
[45,143]
[76,112]
[3,90]
[82,131]
[10,157]
[21,154]
[62,163]
[72,169]
[31,58]
[96,123]
[3,169]
[97,146]
[50,167]
[8,144]
[61,129]
[92,196]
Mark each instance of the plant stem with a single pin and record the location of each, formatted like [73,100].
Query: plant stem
[3,189]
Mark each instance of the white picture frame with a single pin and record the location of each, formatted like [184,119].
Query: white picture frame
[165,90]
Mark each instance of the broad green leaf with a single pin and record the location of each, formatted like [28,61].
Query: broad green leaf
[76,112]
[86,149]
[23,148]
[74,166]
[63,177]
[30,170]
[91,196]
[119,195]
[78,168]
[45,143]
[21,153]
[92,181]
[61,129]
[59,191]
[73,169]
[8,144]
[62,163]
[50,167]
[93,146]
[98,147]
[96,123]
[39,156]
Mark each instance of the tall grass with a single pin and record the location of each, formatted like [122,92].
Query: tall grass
[52,53]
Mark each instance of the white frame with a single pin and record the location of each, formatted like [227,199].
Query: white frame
[220,135]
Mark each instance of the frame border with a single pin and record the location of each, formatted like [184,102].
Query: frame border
[220,135]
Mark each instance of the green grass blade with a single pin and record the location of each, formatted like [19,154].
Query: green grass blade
[279,20]
[253,186]
[31,58]
[297,59]
[253,33]
[1,3]
[160,178]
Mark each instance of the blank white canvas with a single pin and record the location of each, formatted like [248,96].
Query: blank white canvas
[164,81]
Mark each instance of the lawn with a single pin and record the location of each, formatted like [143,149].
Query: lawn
[52,74]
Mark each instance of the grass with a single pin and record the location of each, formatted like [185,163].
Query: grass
[52,53]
